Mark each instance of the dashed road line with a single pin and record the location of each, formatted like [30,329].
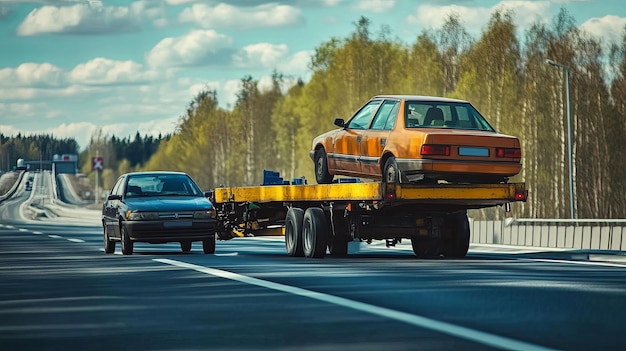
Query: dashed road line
[55,236]
[37,233]
[484,338]
[76,240]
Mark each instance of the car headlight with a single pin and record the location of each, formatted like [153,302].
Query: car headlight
[141,216]
[205,214]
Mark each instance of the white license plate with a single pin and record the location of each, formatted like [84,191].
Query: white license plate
[177,224]
[474,151]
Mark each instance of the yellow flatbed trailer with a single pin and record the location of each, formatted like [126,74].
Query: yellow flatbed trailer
[320,218]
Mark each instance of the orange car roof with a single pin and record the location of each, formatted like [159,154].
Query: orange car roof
[419,98]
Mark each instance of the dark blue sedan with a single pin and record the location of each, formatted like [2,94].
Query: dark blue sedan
[158,207]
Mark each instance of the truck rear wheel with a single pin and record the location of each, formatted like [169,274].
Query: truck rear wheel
[456,236]
[293,232]
[314,232]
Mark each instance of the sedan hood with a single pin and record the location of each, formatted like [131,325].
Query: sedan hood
[169,203]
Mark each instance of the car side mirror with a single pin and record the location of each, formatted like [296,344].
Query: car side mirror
[114,197]
[339,122]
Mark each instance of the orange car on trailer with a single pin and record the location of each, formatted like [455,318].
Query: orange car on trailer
[407,138]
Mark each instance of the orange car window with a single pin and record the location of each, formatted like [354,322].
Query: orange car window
[362,118]
[384,114]
[455,115]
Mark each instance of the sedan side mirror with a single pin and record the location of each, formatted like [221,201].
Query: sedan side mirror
[114,197]
[339,122]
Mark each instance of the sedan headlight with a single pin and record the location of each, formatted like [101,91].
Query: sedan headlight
[141,216]
[205,214]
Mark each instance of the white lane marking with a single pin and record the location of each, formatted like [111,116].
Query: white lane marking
[22,230]
[76,240]
[37,233]
[419,321]
[55,236]
[588,263]
[228,254]
[10,227]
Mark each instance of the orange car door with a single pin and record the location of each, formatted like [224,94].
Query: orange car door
[375,138]
[347,144]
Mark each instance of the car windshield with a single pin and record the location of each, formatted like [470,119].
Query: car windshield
[161,185]
[452,115]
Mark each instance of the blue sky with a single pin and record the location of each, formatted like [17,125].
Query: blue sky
[72,67]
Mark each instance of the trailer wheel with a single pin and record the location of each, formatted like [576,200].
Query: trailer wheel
[424,247]
[456,236]
[338,243]
[314,233]
[293,232]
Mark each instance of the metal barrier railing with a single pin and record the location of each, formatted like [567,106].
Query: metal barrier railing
[594,234]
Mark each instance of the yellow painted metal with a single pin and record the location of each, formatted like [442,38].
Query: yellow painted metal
[459,192]
[296,193]
[373,191]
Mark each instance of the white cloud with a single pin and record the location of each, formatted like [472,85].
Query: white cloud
[265,55]
[102,71]
[297,63]
[78,19]
[376,6]
[260,55]
[32,74]
[40,93]
[20,110]
[609,28]
[331,3]
[475,18]
[195,48]
[228,16]
[91,17]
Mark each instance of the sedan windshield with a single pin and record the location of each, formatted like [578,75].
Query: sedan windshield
[453,115]
[161,185]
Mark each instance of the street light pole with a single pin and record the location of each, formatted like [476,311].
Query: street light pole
[569,137]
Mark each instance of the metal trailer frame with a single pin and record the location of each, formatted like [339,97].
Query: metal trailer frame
[317,219]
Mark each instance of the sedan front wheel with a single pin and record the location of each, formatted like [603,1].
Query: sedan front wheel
[321,168]
[127,244]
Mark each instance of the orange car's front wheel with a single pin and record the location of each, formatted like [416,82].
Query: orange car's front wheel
[321,167]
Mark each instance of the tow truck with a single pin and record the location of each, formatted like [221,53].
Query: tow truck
[324,218]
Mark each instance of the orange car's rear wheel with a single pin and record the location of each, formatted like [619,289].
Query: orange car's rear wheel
[391,174]
[321,168]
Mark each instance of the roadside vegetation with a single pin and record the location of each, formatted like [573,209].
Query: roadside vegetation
[503,73]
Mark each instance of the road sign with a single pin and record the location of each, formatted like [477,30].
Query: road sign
[96,163]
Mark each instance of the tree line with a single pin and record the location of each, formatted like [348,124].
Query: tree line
[32,147]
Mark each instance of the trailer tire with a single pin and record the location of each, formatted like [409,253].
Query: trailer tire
[456,236]
[293,232]
[424,247]
[314,232]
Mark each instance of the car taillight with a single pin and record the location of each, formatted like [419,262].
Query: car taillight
[506,152]
[435,150]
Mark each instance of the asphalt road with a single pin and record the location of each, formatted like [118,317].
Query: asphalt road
[59,291]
